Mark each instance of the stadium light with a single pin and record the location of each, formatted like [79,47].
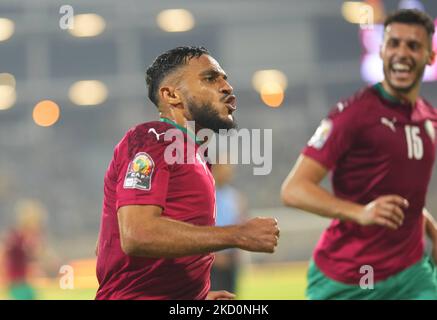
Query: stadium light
[87,25]
[7,79]
[46,113]
[88,92]
[175,20]
[7,91]
[271,85]
[353,11]
[272,94]
[7,97]
[261,77]
[7,28]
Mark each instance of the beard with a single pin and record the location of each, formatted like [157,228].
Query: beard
[403,89]
[205,116]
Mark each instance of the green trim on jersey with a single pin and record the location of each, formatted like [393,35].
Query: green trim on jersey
[184,130]
[380,88]
[418,282]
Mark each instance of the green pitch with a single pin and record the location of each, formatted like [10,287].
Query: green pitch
[269,282]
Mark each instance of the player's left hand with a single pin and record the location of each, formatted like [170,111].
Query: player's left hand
[220,295]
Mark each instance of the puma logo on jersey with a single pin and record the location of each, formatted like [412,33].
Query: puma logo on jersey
[389,123]
[429,127]
[202,162]
[156,133]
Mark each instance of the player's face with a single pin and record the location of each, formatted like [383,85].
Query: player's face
[406,51]
[208,95]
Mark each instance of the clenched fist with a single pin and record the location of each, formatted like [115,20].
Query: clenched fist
[259,235]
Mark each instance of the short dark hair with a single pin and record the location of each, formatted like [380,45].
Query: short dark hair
[166,63]
[412,16]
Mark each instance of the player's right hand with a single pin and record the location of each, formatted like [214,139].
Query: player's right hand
[385,211]
[259,235]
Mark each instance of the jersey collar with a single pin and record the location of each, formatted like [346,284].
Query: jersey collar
[383,93]
[184,130]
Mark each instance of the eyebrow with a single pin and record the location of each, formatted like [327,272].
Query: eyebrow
[214,73]
[402,39]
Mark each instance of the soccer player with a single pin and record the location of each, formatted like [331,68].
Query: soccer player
[380,145]
[22,248]
[157,229]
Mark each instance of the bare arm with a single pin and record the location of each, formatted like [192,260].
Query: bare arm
[430,225]
[96,250]
[144,232]
[301,189]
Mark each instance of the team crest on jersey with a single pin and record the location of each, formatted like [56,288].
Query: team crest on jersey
[321,135]
[139,172]
[429,127]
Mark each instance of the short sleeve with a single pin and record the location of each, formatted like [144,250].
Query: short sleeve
[143,174]
[334,136]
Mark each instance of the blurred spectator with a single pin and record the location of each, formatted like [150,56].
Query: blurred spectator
[21,247]
[230,210]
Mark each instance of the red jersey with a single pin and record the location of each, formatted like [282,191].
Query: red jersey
[139,175]
[17,257]
[375,146]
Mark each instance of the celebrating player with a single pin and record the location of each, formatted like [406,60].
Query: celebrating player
[157,230]
[380,145]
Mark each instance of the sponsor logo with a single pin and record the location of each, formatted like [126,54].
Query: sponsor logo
[321,135]
[139,172]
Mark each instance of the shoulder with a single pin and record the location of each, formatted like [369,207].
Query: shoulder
[145,137]
[429,110]
[356,104]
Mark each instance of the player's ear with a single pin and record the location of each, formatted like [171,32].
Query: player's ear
[432,58]
[381,48]
[170,96]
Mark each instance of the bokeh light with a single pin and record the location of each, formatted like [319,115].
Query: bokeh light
[88,93]
[272,94]
[271,85]
[175,20]
[7,91]
[354,11]
[46,113]
[87,25]
[7,28]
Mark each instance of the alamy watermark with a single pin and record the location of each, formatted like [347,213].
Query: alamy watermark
[66,281]
[67,19]
[367,280]
[366,17]
[243,146]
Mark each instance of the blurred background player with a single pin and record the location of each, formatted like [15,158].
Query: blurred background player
[231,210]
[22,249]
[380,145]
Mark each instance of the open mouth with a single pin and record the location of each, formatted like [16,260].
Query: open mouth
[231,103]
[401,69]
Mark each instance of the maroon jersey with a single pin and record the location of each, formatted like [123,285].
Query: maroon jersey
[140,175]
[375,146]
[17,257]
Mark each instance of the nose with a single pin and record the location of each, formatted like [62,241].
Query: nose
[402,50]
[226,88]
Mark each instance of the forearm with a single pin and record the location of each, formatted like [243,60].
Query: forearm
[168,238]
[309,196]
[430,225]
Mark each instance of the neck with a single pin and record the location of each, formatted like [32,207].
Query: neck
[183,124]
[174,116]
[409,97]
